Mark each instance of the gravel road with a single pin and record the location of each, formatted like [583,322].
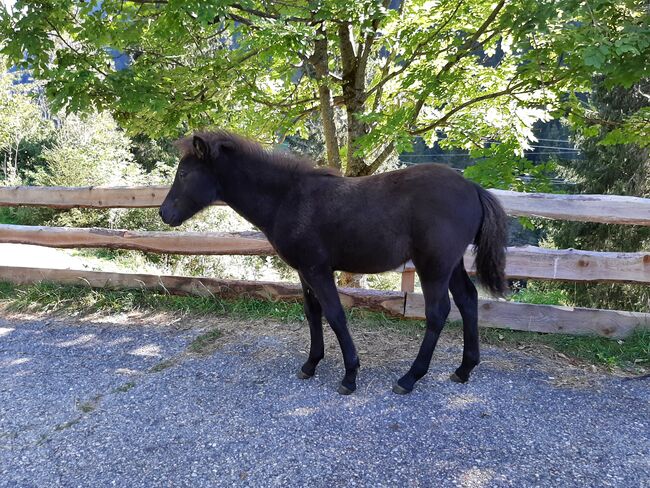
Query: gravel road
[95,402]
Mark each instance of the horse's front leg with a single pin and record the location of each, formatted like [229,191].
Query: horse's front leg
[321,281]
[314,315]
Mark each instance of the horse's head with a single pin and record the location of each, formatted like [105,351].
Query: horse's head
[195,185]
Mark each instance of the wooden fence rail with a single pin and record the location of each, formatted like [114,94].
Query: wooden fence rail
[611,209]
[522,262]
[244,243]
[492,313]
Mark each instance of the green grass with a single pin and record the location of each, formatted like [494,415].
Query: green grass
[163,365]
[7,216]
[6,290]
[626,353]
[124,388]
[87,407]
[541,297]
[632,352]
[47,297]
[205,343]
[540,293]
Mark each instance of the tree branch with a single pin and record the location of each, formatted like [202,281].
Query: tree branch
[348,57]
[381,157]
[509,90]
[464,49]
[269,15]
[365,48]
[468,45]
[457,109]
[417,52]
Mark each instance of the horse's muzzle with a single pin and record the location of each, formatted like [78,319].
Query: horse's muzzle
[169,217]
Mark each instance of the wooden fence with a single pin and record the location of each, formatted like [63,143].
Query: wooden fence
[522,262]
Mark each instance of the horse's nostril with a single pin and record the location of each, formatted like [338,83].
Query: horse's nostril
[160,212]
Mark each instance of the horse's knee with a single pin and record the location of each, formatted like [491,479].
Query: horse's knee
[335,317]
[436,314]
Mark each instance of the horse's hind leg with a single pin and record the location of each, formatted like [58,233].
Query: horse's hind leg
[321,281]
[466,299]
[314,315]
[437,308]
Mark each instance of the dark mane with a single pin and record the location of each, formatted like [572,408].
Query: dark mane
[277,159]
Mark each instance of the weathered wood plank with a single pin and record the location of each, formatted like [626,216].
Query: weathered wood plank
[85,197]
[247,243]
[588,208]
[532,262]
[499,314]
[522,262]
[390,302]
[574,265]
[611,209]
[544,318]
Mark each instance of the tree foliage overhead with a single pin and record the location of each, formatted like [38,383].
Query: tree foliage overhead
[375,73]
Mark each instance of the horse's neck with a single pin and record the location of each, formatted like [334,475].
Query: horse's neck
[257,195]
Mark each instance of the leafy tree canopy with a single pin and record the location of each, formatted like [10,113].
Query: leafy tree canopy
[375,73]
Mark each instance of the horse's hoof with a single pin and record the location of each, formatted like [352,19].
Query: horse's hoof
[302,375]
[344,390]
[457,379]
[400,390]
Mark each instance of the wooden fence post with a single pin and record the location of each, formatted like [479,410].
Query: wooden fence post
[408,279]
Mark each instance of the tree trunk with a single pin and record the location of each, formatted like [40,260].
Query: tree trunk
[353,96]
[320,62]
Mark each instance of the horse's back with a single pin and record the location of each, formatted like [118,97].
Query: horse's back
[375,223]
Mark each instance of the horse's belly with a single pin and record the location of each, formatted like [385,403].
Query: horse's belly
[371,255]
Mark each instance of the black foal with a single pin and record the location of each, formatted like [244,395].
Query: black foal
[320,222]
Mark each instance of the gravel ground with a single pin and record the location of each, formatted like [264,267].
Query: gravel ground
[93,403]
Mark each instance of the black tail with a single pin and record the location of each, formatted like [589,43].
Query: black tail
[490,244]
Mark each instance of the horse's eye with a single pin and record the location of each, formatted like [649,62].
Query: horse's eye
[182,175]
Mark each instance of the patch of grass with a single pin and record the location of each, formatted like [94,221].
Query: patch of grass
[7,290]
[90,405]
[633,351]
[8,216]
[162,365]
[87,407]
[372,319]
[124,388]
[205,343]
[535,294]
[47,297]
[66,425]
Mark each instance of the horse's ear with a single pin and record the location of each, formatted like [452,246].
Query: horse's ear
[201,148]
[205,151]
[220,147]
